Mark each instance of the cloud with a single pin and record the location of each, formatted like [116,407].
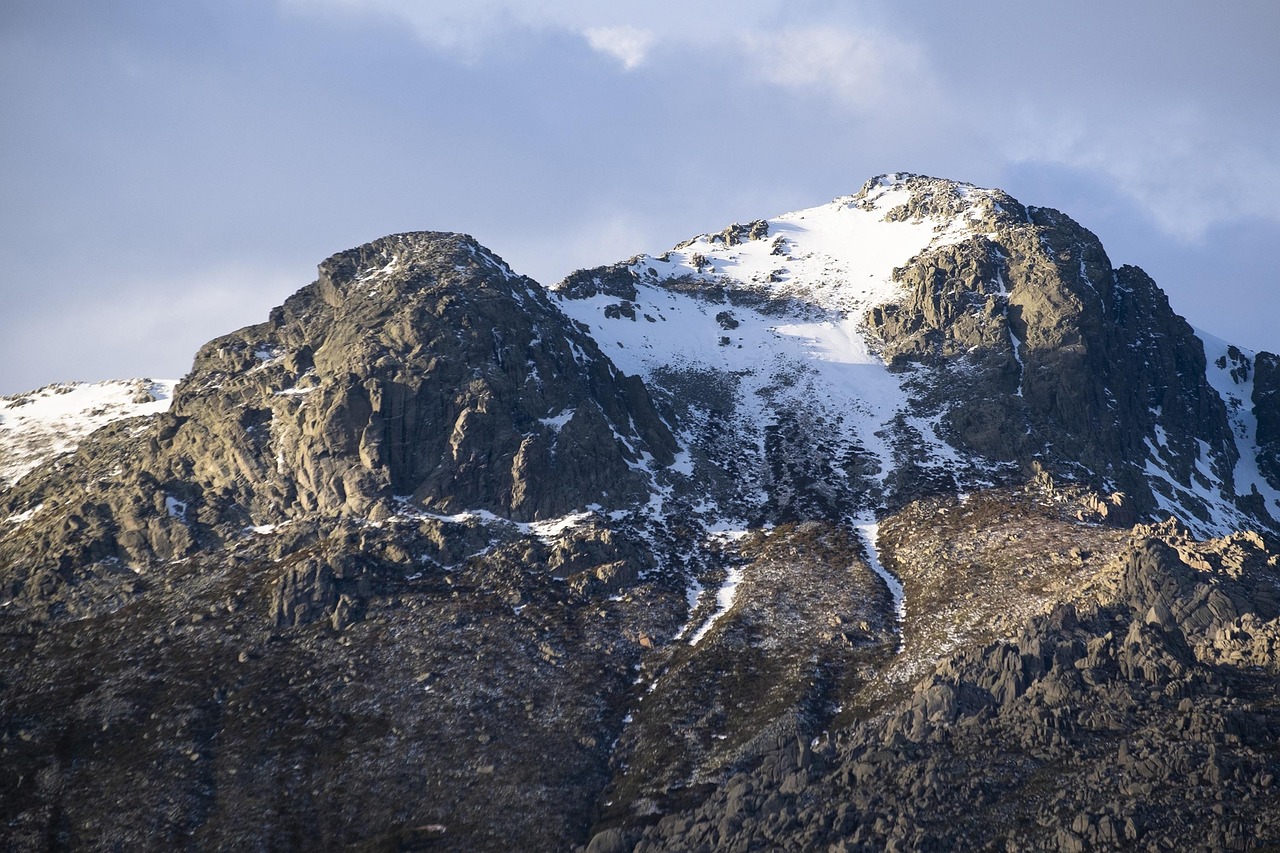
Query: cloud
[470,30]
[859,67]
[862,70]
[628,45]
[1188,171]
[462,29]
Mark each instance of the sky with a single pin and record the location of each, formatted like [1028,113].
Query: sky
[171,171]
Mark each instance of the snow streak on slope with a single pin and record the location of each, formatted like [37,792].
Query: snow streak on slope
[1230,373]
[869,532]
[725,596]
[51,421]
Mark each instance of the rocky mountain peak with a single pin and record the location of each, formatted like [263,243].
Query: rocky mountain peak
[1012,340]
[903,197]
[417,368]
[402,263]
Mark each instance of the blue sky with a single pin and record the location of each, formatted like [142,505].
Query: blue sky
[172,170]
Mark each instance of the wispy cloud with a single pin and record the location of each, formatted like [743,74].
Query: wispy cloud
[628,45]
[860,69]
[461,29]
[857,66]
[1178,164]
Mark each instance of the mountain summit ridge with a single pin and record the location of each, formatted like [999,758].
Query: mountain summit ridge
[1019,307]
[849,528]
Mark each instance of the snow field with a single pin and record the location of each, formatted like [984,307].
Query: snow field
[53,420]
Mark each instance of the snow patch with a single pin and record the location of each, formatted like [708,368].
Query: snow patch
[557,422]
[553,528]
[176,508]
[52,421]
[23,517]
[547,530]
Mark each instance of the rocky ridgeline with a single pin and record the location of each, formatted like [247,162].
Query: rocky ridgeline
[410,334]
[414,566]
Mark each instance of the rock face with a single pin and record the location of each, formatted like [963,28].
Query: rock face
[1266,407]
[417,368]
[1057,357]
[419,365]
[905,522]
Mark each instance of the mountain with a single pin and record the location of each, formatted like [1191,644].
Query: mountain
[955,337]
[906,521]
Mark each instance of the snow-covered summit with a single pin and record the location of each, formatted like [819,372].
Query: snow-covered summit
[1014,345]
[840,255]
[778,308]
